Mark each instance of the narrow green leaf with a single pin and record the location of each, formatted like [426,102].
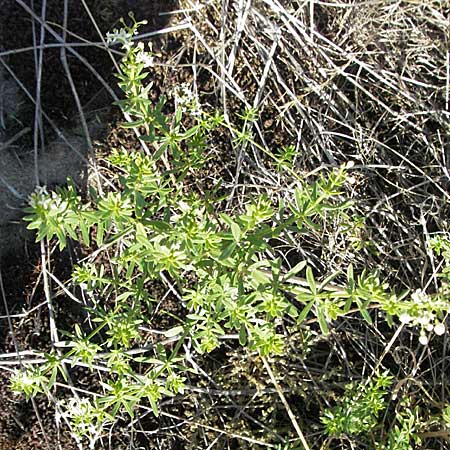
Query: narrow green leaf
[242,335]
[147,138]
[227,252]
[133,124]
[328,280]
[292,311]
[189,133]
[129,408]
[364,312]
[260,277]
[298,199]
[322,321]
[154,406]
[100,233]
[311,280]
[52,379]
[295,270]
[178,115]
[348,304]
[174,332]
[305,311]
[84,232]
[366,316]
[195,317]
[130,269]
[123,296]
[160,151]
[71,232]
[61,238]
[235,229]
[311,224]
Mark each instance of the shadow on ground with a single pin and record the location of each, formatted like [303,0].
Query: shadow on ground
[64,148]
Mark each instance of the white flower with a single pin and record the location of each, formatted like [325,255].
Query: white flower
[121,36]
[405,318]
[439,329]
[234,293]
[186,99]
[145,58]
[26,379]
[420,297]
[39,197]
[423,339]
[425,319]
[350,164]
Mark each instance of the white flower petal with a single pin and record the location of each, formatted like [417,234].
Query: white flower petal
[405,318]
[439,329]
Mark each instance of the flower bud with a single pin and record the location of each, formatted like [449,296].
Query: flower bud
[423,339]
[439,329]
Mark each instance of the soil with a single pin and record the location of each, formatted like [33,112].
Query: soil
[20,428]
[57,98]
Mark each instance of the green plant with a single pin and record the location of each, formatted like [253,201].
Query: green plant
[360,414]
[446,416]
[358,409]
[286,157]
[29,382]
[87,419]
[404,434]
[218,264]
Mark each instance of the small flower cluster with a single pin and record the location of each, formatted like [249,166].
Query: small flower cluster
[46,203]
[186,99]
[29,382]
[124,37]
[143,57]
[121,36]
[40,197]
[86,419]
[422,312]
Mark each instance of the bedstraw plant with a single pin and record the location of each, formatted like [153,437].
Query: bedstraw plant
[218,265]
